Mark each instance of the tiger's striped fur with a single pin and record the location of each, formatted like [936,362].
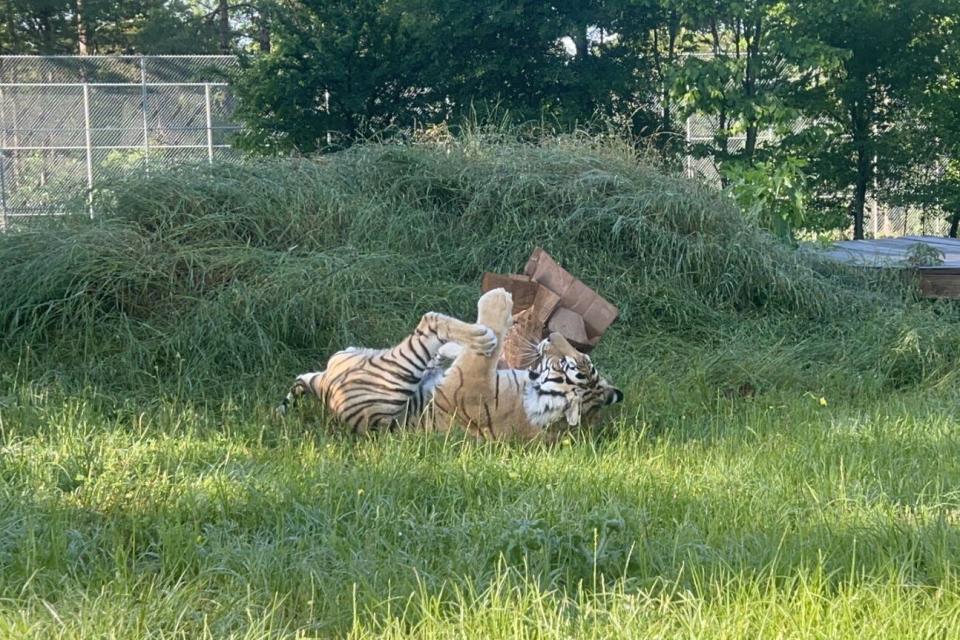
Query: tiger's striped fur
[370,389]
[415,383]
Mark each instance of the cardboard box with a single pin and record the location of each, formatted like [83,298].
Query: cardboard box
[597,313]
[523,289]
[547,298]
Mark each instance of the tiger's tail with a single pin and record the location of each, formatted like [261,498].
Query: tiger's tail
[303,384]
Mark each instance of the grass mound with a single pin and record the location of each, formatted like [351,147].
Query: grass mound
[223,278]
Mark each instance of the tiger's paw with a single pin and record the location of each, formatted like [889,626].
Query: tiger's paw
[495,310]
[486,343]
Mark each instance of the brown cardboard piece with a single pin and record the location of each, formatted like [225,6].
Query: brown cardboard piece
[523,289]
[597,313]
[570,325]
[548,298]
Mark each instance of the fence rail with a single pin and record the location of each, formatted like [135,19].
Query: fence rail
[67,123]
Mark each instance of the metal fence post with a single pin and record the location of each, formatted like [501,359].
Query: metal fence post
[3,164]
[143,109]
[89,146]
[206,95]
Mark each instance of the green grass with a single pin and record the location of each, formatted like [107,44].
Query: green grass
[786,463]
[754,518]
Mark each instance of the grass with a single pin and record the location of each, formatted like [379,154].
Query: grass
[786,463]
[253,269]
[752,518]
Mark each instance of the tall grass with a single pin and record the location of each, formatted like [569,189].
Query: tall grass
[226,277]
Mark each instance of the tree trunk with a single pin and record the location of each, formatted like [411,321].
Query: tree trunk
[82,36]
[46,29]
[263,33]
[722,136]
[223,17]
[674,28]
[954,224]
[749,88]
[860,130]
[582,43]
[664,94]
[11,32]
[860,192]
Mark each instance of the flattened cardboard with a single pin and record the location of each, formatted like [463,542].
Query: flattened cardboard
[519,351]
[521,287]
[571,326]
[597,313]
[529,328]
[544,304]
[547,298]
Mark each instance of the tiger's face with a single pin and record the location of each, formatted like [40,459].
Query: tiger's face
[561,369]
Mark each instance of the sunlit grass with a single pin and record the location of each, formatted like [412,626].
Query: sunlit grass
[755,517]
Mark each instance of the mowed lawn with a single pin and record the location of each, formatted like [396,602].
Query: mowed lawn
[776,516]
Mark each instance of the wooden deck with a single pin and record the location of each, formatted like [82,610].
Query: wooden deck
[940,281]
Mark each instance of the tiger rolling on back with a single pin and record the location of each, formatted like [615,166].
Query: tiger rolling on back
[416,384]
[536,404]
[371,389]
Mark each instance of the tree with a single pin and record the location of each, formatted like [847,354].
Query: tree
[740,83]
[38,26]
[868,62]
[334,68]
[337,70]
[55,27]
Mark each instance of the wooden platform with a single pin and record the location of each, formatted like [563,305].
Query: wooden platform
[940,281]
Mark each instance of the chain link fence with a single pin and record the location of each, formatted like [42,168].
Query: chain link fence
[68,123]
[879,221]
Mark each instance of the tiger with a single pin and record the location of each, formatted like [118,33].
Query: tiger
[445,374]
[556,369]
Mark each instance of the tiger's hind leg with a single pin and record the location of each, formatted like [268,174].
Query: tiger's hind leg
[369,390]
[437,329]
[469,391]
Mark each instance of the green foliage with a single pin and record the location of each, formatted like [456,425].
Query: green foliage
[741,83]
[924,255]
[52,27]
[774,194]
[886,59]
[334,75]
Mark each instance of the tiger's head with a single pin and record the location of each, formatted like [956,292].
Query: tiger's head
[562,369]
